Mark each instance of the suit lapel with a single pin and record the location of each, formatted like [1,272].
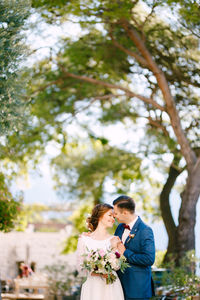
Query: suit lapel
[121,232]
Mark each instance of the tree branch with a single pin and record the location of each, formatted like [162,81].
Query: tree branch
[190,29]
[179,74]
[104,97]
[186,149]
[42,88]
[114,86]
[139,58]
[158,125]
[149,15]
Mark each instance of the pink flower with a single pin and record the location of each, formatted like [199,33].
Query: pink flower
[117,254]
[89,255]
[102,252]
[112,257]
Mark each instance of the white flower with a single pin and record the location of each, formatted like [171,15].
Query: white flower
[111,257]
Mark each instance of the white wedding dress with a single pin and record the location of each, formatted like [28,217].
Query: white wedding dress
[95,288]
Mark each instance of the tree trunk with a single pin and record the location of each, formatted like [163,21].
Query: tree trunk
[181,237]
[166,212]
[187,213]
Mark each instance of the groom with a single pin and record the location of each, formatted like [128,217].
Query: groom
[136,243]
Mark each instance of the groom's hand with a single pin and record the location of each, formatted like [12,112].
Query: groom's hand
[114,241]
[121,248]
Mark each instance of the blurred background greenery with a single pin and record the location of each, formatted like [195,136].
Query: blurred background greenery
[113,89]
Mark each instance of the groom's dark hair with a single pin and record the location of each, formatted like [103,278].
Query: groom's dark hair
[125,202]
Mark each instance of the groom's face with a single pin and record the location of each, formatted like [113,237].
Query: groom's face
[120,214]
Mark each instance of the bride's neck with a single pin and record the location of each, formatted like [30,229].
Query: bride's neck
[100,231]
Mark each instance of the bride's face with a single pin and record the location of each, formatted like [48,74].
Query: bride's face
[108,219]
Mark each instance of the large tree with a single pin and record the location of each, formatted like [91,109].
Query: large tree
[13,51]
[137,59]
[13,103]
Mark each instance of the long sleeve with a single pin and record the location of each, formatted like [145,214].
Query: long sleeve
[81,249]
[147,255]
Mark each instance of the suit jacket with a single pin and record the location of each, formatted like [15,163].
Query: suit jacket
[140,254]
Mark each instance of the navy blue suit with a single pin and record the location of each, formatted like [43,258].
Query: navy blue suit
[140,253]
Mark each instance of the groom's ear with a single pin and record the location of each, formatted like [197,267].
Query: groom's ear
[125,212]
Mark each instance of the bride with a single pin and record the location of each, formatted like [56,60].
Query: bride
[95,286]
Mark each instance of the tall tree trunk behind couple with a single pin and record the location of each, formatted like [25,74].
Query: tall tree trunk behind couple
[187,214]
[182,236]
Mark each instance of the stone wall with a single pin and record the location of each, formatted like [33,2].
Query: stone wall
[43,248]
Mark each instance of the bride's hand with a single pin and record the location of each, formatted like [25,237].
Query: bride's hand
[99,275]
[114,241]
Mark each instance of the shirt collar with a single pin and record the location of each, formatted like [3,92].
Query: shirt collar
[133,222]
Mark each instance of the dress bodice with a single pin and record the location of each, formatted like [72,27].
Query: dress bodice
[93,244]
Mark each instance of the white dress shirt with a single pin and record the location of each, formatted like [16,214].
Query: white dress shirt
[127,231]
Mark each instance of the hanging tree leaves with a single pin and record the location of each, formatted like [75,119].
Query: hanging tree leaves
[13,14]
[13,106]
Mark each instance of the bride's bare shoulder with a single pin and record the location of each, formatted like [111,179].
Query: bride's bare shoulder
[85,234]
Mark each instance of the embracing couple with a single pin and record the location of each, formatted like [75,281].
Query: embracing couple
[133,239]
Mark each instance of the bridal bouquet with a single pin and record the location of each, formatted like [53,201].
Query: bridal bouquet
[104,263]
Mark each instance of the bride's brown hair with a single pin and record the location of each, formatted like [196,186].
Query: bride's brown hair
[98,211]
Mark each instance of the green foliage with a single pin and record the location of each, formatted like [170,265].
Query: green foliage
[80,215]
[9,207]
[159,258]
[78,220]
[189,12]
[92,165]
[13,100]
[70,245]
[61,279]
[86,10]
[183,279]
[30,214]
[13,15]
[94,54]
[99,57]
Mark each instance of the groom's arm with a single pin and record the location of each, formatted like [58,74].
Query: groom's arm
[146,256]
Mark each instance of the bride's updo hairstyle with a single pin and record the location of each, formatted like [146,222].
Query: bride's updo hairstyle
[98,211]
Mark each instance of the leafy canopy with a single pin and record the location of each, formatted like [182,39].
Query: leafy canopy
[105,53]
[9,207]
